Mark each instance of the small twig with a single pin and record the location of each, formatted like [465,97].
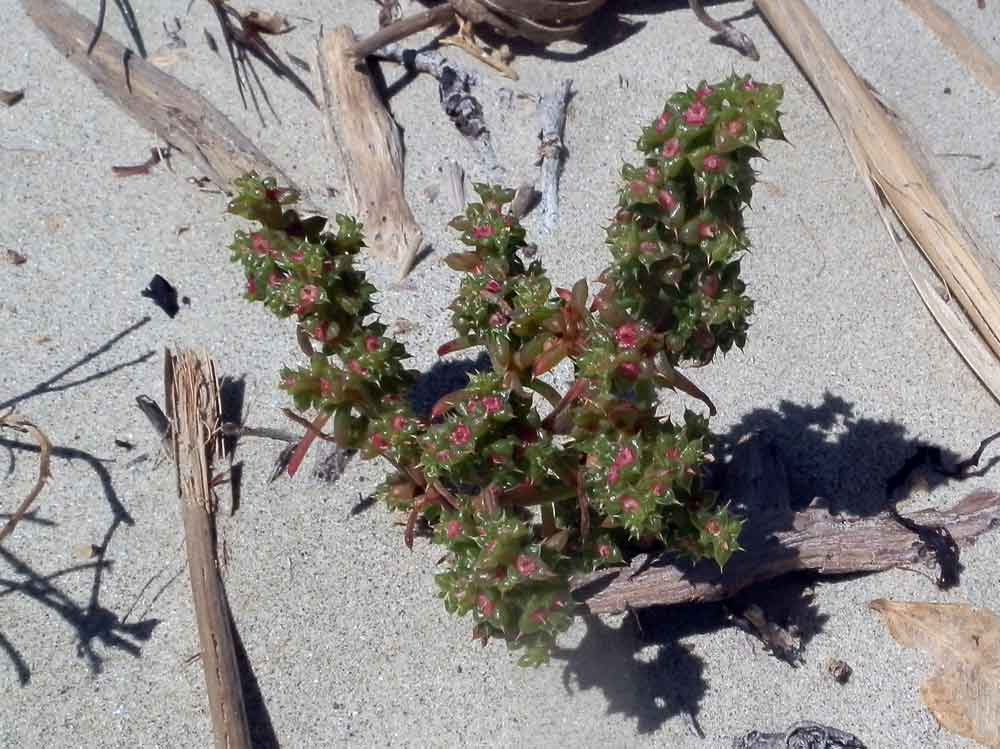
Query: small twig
[401,29]
[725,33]
[11,420]
[552,117]
[156,155]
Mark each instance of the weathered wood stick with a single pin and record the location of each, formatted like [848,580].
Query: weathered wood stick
[954,37]
[399,30]
[552,118]
[897,182]
[777,541]
[156,100]
[370,149]
[194,411]
[459,103]
[454,184]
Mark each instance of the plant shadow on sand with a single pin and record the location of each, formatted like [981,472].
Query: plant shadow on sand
[861,464]
[91,621]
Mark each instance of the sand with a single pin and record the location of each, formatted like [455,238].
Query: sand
[348,644]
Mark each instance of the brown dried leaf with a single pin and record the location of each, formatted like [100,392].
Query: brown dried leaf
[963,693]
[10,98]
[268,23]
[14,258]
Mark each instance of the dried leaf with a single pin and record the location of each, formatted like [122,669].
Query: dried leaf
[963,693]
[10,98]
[14,258]
[268,23]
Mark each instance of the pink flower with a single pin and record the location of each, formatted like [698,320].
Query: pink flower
[629,370]
[355,366]
[627,335]
[498,320]
[658,490]
[486,607]
[443,456]
[671,148]
[320,331]
[630,505]
[379,442]
[251,287]
[275,280]
[261,244]
[614,473]
[604,551]
[288,383]
[706,231]
[526,566]
[461,435]
[652,175]
[713,163]
[493,404]
[454,530]
[667,200]
[697,114]
[372,344]
[493,286]
[662,121]
[398,423]
[307,299]
[736,128]
[472,406]
[749,85]
[297,257]
[674,455]
[625,457]
[483,232]
[704,92]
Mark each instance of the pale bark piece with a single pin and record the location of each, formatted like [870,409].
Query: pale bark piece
[194,410]
[900,186]
[369,148]
[156,100]
[963,694]
[777,540]
[552,119]
[959,43]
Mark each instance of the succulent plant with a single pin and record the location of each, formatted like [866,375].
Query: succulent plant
[523,485]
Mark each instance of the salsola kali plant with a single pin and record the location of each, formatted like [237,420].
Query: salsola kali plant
[523,485]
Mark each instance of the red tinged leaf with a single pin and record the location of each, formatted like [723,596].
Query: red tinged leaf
[305,443]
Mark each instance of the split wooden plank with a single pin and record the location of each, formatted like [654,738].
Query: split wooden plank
[156,100]
[900,187]
[194,411]
[370,150]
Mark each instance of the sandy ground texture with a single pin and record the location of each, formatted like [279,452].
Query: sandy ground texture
[347,642]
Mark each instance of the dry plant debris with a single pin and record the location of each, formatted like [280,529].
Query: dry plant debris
[11,420]
[963,693]
[10,98]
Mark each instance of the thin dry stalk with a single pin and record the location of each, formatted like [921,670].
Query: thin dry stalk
[959,43]
[195,414]
[900,187]
[11,420]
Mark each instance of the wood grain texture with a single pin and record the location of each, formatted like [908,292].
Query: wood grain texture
[369,148]
[156,100]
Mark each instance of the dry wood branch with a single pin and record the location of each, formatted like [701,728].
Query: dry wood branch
[194,411]
[953,36]
[455,85]
[370,148]
[401,29]
[11,420]
[899,184]
[552,117]
[778,541]
[156,100]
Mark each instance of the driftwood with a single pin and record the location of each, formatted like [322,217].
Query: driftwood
[777,541]
[370,150]
[156,100]
[194,413]
[552,118]
[900,186]
[461,106]
[454,182]
[953,36]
